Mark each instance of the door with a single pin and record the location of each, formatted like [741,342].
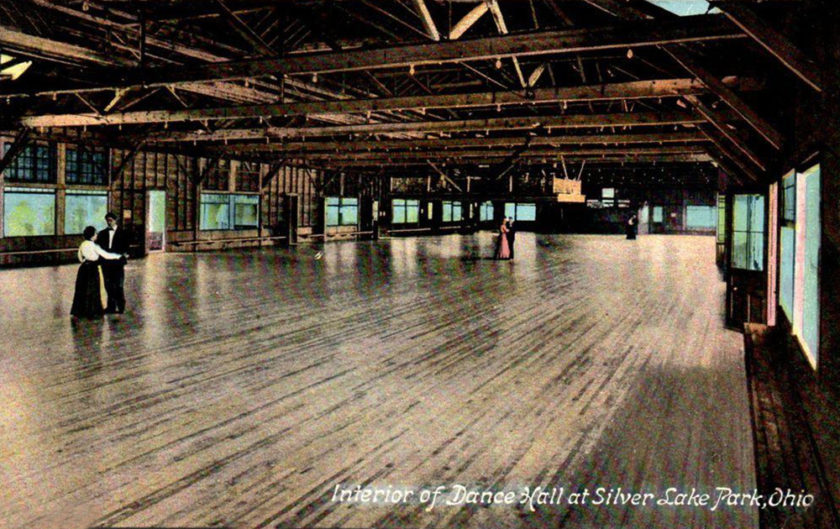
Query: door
[156,221]
[746,292]
[289,224]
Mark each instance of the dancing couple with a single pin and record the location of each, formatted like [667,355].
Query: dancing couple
[507,236]
[107,263]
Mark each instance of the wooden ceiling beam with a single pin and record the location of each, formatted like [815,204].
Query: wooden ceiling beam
[520,151]
[426,17]
[510,123]
[637,34]
[461,143]
[468,21]
[19,43]
[627,90]
[492,160]
[716,120]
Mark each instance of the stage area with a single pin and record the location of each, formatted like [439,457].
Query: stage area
[249,389]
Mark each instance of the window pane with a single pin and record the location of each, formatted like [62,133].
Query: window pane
[82,210]
[700,217]
[526,212]
[412,211]
[786,270]
[739,250]
[510,209]
[332,215]
[215,212]
[721,219]
[447,212]
[756,251]
[246,216]
[349,215]
[398,214]
[657,214]
[486,211]
[28,213]
[740,212]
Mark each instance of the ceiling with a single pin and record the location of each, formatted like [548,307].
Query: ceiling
[408,86]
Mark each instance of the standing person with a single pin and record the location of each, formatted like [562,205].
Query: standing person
[631,227]
[87,300]
[115,240]
[511,235]
[503,251]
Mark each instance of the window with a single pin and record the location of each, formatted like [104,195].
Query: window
[787,244]
[700,217]
[748,232]
[657,215]
[342,211]
[231,211]
[36,163]
[485,211]
[405,211]
[721,219]
[451,211]
[608,197]
[246,211]
[82,209]
[521,211]
[215,212]
[28,212]
[86,166]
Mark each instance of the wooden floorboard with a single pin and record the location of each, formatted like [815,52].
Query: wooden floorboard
[242,387]
[788,454]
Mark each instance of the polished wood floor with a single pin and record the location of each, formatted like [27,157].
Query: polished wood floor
[242,387]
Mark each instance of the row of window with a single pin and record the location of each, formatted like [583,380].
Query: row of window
[229,211]
[37,164]
[29,212]
[407,211]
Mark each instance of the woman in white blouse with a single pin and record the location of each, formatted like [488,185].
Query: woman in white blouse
[87,300]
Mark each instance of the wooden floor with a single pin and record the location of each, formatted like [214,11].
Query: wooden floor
[242,387]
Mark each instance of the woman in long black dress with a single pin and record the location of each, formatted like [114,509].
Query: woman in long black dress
[87,301]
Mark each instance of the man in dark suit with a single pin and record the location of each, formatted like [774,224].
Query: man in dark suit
[511,235]
[114,240]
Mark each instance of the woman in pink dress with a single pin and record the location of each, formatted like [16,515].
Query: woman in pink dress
[504,248]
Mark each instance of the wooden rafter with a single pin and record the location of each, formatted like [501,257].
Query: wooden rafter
[729,97]
[716,121]
[774,42]
[426,17]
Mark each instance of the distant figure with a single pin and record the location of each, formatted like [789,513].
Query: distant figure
[632,226]
[511,235]
[87,300]
[115,240]
[503,249]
